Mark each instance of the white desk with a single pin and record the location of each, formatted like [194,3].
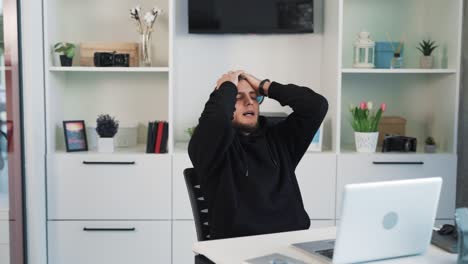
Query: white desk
[236,250]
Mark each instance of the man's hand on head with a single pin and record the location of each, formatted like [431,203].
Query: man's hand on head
[255,82]
[232,76]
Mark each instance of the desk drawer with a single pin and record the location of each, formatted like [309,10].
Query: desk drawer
[109,186]
[357,168]
[4,232]
[109,242]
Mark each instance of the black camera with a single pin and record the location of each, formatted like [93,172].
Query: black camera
[111,59]
[399,144]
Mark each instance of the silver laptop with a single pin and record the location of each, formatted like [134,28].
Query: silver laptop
[382,220]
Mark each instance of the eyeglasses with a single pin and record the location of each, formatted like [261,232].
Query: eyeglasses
[260,99]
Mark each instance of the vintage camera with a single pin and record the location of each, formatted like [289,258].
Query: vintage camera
[399,144]
[111,59]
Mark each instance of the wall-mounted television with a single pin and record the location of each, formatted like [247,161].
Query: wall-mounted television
[255,16]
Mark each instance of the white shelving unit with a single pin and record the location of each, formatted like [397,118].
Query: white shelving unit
[427,98]
[109,69]
[150,194]
[127,190]
[133,95]
[400,71]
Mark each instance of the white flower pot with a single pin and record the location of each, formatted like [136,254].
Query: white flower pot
[105,145]
[366,142]
[430,148]
[426,62]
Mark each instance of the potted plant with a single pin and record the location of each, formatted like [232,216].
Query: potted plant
[67,51]
[430,146]
[427,47]
[190,131]
[365,123]
[106,128]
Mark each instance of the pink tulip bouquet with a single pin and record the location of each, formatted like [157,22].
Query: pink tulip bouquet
[364,119]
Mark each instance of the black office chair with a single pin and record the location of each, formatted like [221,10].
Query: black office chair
[199,210]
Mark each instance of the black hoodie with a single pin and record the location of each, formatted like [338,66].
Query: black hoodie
[249,181]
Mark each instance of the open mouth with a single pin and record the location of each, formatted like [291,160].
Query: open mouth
[249,113]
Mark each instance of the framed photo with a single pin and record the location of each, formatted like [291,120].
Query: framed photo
[75,135]
[316,144]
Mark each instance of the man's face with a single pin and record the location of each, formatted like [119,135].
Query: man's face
[246,114]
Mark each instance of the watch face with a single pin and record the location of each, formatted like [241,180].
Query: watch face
[260,99]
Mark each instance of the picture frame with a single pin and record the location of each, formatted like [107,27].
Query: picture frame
[75,135]
[316,144]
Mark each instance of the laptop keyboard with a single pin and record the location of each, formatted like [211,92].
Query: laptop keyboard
[327,253]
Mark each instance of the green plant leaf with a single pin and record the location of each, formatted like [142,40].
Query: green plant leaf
[70,53]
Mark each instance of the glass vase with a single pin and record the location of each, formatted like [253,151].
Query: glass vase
[145,59]
[397,62]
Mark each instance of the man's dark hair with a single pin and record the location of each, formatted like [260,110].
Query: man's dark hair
[241,78]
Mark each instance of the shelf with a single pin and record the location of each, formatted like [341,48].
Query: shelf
[109,69]
[400,71]
[139,149]
[420,150]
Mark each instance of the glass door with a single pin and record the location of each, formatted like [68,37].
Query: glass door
[11,173]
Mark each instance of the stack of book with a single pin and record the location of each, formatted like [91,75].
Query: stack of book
[157,137]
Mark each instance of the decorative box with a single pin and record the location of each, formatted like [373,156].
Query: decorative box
[384,54]
[391,125]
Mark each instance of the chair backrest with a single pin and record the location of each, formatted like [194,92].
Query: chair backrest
[198,203]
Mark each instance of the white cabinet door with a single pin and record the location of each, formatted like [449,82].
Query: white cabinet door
[109,242]
[182,208]
[4,232]
[4,254]
[360,168]
[109,186]
[316,175]
[183,237]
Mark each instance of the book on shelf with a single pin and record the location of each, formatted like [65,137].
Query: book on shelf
[164,138]
[148,137]
[157,136]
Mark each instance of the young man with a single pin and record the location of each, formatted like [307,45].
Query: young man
[246,168]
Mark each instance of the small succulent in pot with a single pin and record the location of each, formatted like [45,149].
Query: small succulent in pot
[107,126]
[427,47]
[430,146]
[430,141]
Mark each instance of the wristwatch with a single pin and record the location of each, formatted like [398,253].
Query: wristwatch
[260,87]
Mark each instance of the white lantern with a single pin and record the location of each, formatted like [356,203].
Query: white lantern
[364,51]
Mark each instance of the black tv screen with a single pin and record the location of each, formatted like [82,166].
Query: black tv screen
[254,16]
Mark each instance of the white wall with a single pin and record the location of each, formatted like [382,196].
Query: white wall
[199,60]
